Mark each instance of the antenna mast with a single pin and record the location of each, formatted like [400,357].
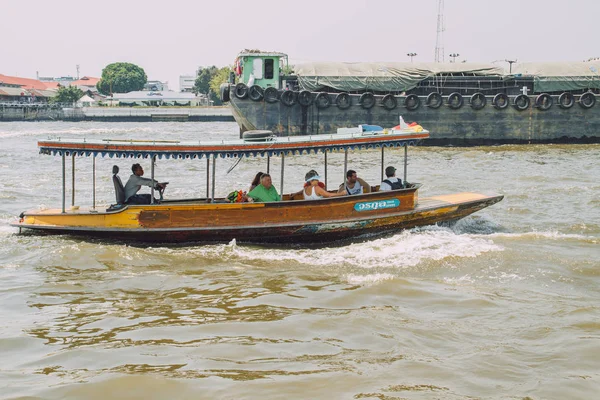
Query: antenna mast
[439,40]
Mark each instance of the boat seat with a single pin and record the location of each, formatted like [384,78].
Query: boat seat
[119,189]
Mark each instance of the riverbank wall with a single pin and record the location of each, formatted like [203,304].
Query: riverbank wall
[28,112]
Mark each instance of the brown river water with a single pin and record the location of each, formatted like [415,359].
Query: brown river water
[505,304]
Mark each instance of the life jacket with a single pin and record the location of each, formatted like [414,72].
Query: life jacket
[395,185]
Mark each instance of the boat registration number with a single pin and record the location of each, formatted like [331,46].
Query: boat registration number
[376,205]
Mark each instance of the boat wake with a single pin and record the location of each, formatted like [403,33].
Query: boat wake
[403,250]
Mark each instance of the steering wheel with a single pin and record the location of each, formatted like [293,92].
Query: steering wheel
[162,190]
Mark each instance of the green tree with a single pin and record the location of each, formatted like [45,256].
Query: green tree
[203,77]
[221,76]
[287,70]
[68,94]
[121,77]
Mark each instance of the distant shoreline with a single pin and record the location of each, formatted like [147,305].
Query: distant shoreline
[117,114]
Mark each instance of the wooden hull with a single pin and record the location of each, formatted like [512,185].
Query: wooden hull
[318,221]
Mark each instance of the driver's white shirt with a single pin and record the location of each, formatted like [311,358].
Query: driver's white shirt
[135,183]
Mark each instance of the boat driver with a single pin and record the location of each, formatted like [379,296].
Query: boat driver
[135,183]
[354,184]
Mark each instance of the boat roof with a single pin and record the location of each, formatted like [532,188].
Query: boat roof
[257,53]
[270,146]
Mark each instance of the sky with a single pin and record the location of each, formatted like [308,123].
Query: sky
[173,38]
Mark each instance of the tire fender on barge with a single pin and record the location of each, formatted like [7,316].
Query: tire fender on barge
[288,98]
[343,100]
[389,102]
[455,100]
[587,100]
[478,101]
[522,102]
[367,100]
[544,101]
[500,101]
[412,102]
[305,98]
[434,100]
[566,100]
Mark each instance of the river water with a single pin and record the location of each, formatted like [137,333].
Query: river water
[503,305]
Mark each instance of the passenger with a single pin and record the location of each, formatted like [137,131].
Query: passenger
[391,183]
[265,191]
[135,183]
[255,181]
[314,191]
[307,184]
[354,184]
[313,172]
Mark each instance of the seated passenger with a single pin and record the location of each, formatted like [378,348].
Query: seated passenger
[265,191]
[391,183]
[307,184]
[314,191]
[313,172]
[354,184]
[135,183]
[255,181]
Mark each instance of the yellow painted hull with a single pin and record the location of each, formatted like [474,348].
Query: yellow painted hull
[288,221]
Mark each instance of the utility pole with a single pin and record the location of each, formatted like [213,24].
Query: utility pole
[439,40]
[510,63]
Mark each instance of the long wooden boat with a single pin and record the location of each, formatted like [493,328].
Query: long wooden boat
[212,219]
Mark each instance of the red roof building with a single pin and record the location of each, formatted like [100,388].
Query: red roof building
[25,83]
[86,81]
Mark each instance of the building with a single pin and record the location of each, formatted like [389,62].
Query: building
[87,83]
[24,90]
[156,86]
[62,80]
[25,83]
[186,83]
[158,98]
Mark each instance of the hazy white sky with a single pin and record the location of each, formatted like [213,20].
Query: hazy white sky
[171,38]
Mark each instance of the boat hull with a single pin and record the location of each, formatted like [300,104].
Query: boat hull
[320,221]
[462,126]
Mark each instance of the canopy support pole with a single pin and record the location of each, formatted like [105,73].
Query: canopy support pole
[72,179]
[64,183]
[268,164]
[325,169]
[282,168]
[207,177]
[382,161]
[345,164]
[152,177]
[94,182]
[405,160]
[212,197]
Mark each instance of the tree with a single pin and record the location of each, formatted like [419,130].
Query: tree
[208,81]
[221,76]
[68,94]
[121,77]
[203,77]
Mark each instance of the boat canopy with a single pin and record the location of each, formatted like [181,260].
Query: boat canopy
[269,146]
[561,76]
[390,76]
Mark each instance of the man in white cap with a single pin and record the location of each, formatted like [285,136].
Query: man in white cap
[391,182]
